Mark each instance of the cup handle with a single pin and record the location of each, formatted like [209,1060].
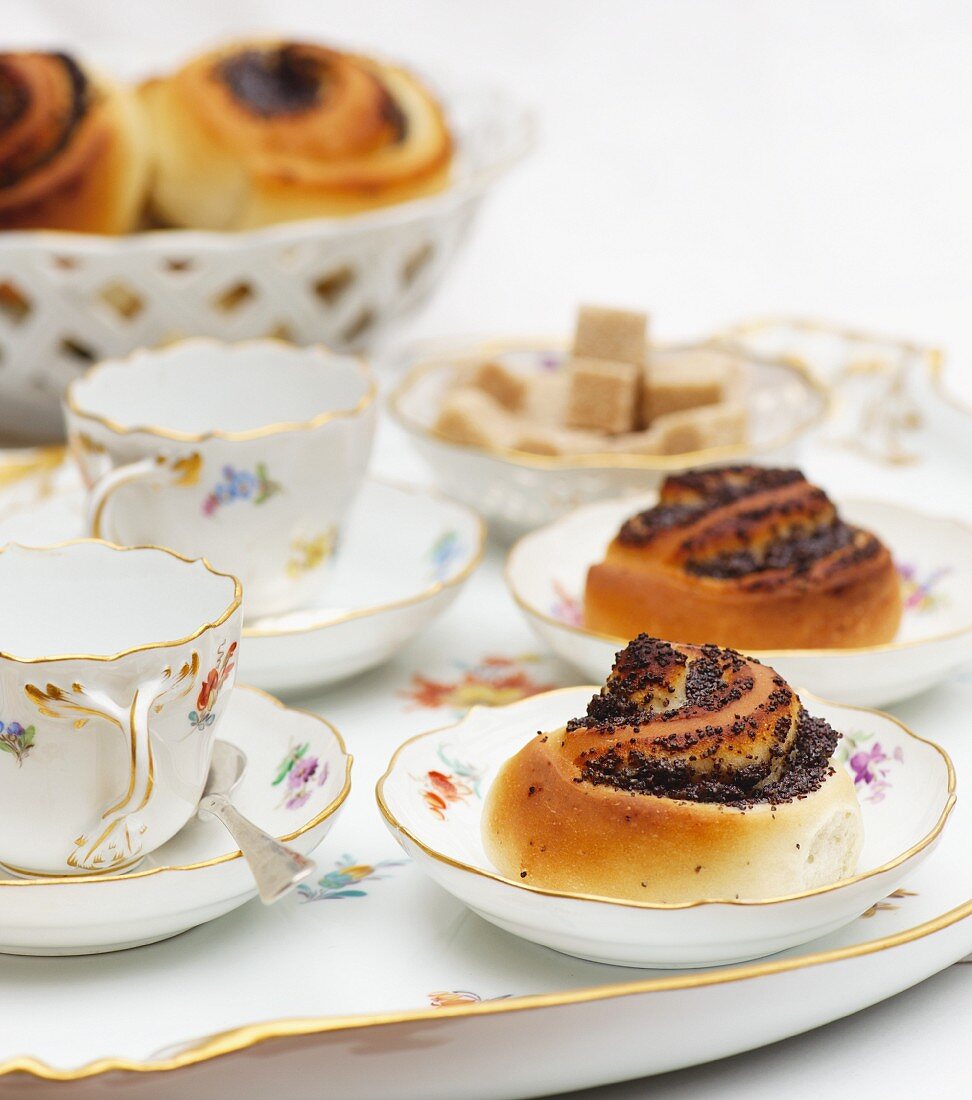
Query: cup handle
[161,470]
[114,839]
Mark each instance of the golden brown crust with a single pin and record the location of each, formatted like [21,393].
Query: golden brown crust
[272,131]
[695,774]
[748,557]
[72,150]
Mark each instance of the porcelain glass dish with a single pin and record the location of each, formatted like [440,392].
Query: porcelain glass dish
[446,842]
[517,491]
[297,777]
[379,595]
[74,299]
[546,571]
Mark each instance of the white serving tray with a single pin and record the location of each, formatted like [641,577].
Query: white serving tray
[402,992]
[396,990]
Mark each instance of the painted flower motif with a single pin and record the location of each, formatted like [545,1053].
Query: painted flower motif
[919,593]
[343,881]
[447,998]
[565,607]
[492,682]
[299,774]
[204,715]
[870,765]
[444,788]
[17,740]
[443,553]
[307,554]
[240,485]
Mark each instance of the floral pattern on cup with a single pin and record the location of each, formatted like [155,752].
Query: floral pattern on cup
[308,554]
[343,881]
[240,485]
[458,783]
[299,773]
[919,592]
[446,549]
[869,764]
[492,681]
[204,715]
[17,740]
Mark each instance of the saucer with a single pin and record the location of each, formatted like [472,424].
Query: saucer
[297,778]
[431,797]
[546,572]
[406,551]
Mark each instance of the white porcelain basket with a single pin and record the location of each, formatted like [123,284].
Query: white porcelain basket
[67,299]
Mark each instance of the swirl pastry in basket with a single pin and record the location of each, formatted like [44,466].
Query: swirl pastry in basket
[262,132]
[696,773]
[73,151]
[749,557]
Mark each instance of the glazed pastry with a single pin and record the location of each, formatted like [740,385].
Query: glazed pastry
[696,773]
[72,147]
[745,556]
[262,132]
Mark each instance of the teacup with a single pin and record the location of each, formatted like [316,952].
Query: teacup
[115,666]
[248,454]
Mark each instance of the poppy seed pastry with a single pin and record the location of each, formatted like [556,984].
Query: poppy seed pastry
[73,150]
[745,556]
[695,774]
[267,131]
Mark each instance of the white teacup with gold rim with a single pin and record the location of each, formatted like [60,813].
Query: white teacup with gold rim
[115,665]
[248,454]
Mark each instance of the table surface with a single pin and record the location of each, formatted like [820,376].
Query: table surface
[709,162]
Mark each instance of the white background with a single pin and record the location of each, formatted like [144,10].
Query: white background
[708,161]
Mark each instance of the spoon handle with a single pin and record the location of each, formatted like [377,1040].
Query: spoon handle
[276,868]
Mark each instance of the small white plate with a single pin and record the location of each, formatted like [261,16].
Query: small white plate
[432,799]
[517,491]
[546,573]
[406,552]
[297,777]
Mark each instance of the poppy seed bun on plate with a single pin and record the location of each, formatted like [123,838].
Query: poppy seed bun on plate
[746,557]
[695,774]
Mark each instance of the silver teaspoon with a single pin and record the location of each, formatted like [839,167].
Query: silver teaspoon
[276,868]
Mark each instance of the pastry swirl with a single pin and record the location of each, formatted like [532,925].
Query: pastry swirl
[270,131]
[749,557]
[696,772]
[72,152]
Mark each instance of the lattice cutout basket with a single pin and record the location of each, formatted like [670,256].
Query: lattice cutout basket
[67,299]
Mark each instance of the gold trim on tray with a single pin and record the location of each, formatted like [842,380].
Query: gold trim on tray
[240,1039]
[902,857]
[227,857]
[765,655]
[366,399]
[604,460]
[234,604]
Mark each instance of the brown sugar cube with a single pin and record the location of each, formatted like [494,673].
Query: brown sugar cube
[699,429]
[545,400]
[647,442]
[603,396]
[541,439]
[617,334]
[685,380]
[506,386]
[473,418]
